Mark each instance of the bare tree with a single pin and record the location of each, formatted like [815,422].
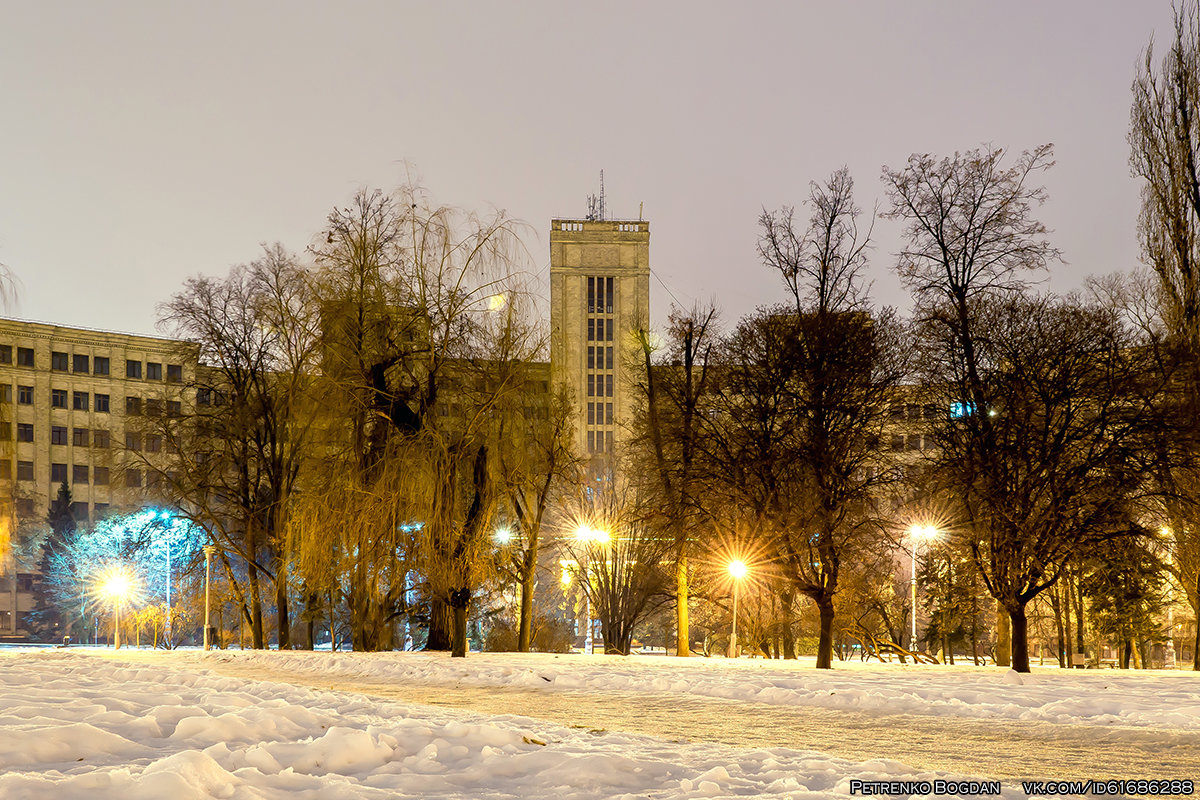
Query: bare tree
[1164,138]
[671,441]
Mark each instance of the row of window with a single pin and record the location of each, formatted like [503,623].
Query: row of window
[600,413]
[25,508]
[80,474]
[600,330]
[599,385]
[600,441]
[84,401]
[599,358]
[913,441]
[93,365]
[600,295]
[80,437]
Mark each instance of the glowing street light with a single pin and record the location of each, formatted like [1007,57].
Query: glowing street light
[917,533]
[503,536]
[738,570]
[117,586]
[208,553]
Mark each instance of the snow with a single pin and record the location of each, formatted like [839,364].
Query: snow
[1131,698]
[165,725]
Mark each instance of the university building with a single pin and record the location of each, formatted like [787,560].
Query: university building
[70,403]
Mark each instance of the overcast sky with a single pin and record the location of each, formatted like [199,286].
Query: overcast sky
[144,142]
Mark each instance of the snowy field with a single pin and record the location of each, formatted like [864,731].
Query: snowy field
[84,726]
[164,725]
[1157,699]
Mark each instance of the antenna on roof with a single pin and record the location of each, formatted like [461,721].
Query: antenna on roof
[595,203]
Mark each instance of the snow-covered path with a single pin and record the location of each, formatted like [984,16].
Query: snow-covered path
[965,743]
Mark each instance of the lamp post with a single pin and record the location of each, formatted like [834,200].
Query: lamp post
[915,533]
[208,552]
[737,568]
[117,586]
[588,536]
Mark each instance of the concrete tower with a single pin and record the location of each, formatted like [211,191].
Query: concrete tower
[599,299]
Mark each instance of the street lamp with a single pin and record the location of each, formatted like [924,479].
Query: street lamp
[737,569]
[208,552]
[117,586]
[588,535]
[916,533]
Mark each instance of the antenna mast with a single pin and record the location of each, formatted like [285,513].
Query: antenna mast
[595,203]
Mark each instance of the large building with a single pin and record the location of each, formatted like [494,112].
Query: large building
[72,404]
[599,300]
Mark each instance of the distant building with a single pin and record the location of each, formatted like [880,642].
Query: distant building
[70,399]
[599,299]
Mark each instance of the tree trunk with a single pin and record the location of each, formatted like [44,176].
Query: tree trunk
[1003,637]
[683,639]
[525,624]
[1126,650]
[825,640]
[1020,639]
[282,619]
[439,625]
[786,599]
[1196,639]
[1057,607]
[258,642]
[460,599]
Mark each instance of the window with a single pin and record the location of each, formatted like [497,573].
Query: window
[591,385]
[5,431]
[897,441]
[5,470]
[79,401]
[600,330]
[102,403]
[608,441]
[79,511]
[58,473]
[100,438]
[25,395]
[79,473]
[591,330]
[153,407]
[58,434]
[153,371]
[25,504]
[79,363]
[24,470]
[133,369]
[175,373]
[25,356]
[133,441]
[100,476]
[133,477]
[58,361]
[591,413]
[174,408]
[133,406]
[24,432]
[609,357]
[609,304]
[58,398]
[5,353]
[153,442]
[591,358]
[608,414]
[608,386]
[5,392]
[591,441]
[100,508]
[914,441]
[591,295]
[203,397]
[80,437]
[100,365]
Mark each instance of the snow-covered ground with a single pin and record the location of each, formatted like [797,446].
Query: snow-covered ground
[1158,699]
[78,725]
[169,725]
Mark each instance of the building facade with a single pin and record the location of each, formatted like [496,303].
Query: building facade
[599,301]
[73,403]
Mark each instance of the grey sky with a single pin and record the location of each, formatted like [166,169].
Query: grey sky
[143,142]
